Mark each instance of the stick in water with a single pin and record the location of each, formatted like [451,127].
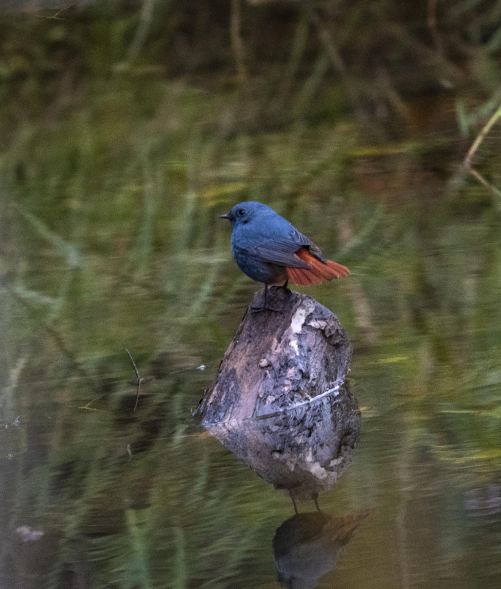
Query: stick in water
[139,378]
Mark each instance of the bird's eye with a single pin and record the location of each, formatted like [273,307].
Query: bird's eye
[241,212]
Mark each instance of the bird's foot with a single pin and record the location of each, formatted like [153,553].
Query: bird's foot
[265,306]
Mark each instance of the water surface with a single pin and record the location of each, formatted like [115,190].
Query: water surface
[110,240]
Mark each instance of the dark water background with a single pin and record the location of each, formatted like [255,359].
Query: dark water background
[118,152]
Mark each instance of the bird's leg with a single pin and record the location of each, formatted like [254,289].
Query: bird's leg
[293,502]
[316,503]
[265,306]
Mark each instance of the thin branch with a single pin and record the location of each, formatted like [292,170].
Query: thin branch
[480,138]
[483,181]
[139,378]
[56,16]
[474,148]
[87,405]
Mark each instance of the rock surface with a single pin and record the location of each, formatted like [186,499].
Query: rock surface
[280,402]
[278,359]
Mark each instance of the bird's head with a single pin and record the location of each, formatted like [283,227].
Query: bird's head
[244,212]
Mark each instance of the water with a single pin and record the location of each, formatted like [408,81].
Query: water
[110,240]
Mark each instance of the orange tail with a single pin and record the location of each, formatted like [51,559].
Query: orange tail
[318,272]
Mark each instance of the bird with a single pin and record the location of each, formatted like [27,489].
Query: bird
[269,249]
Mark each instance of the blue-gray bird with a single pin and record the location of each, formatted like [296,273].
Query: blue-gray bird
[269,249]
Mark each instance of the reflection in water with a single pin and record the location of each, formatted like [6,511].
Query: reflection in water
[303,450]
[308,545]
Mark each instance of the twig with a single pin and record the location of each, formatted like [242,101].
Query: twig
[55,16]
[334,391]
[482,180]
[480,138]
[87,405]
[474,148]
[139,378]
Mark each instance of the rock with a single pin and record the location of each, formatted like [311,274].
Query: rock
[278,359]
[280,402]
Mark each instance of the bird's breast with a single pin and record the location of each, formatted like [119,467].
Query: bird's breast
[256,268]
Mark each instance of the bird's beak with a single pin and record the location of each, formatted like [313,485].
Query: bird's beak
[224,217]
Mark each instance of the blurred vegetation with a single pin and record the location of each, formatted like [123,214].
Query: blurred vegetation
[284,59]
[126,128]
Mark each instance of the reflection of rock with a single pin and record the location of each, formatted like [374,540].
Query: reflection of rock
[307,546]
[279,401]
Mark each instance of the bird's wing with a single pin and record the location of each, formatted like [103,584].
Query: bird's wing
[282,249]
